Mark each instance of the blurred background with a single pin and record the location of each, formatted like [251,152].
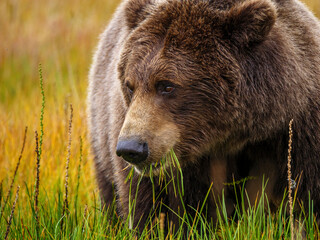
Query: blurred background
[61,35]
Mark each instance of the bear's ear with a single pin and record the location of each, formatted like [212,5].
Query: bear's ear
[250,21]
[136,11]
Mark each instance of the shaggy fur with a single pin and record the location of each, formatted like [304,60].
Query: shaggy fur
[240,69]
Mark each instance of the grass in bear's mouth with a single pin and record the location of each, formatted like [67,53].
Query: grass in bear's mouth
[163,167]
[159,167]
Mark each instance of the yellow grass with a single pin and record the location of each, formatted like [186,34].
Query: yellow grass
[61,35]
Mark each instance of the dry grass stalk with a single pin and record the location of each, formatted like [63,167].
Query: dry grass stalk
[79,169]
[84,217]
[80,161]
[42,111]
[15,173]
[68,159]
[78,177]
[11,214]
[289,178]
[26,229]
[162,222]
[37,184]
[66,203]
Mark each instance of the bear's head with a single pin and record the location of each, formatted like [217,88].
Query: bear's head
[180,75]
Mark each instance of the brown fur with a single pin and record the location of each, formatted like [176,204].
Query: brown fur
[241,70]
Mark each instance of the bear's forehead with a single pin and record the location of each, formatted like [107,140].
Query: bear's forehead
[149,64]
[187,18]
[175,37]
[180,25]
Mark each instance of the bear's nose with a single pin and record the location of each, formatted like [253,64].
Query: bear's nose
[132,151]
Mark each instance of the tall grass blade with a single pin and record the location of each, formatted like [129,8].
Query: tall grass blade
[66,202]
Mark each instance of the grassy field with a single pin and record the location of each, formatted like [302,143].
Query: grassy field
[60,35]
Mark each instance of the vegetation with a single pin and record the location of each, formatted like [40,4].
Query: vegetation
[36,201]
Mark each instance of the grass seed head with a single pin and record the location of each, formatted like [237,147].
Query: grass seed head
[289,178]
[11,214]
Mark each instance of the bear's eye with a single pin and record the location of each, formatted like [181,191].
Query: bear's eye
[168,89]
[165,87]
[129,88]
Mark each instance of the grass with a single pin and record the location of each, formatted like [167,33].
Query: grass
[50,217]
[62,35]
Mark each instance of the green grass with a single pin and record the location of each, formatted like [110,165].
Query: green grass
[54,221]
[61,36]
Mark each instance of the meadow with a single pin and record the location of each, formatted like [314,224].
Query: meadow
[61,35]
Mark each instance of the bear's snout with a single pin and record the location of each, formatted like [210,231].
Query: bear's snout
[132,150]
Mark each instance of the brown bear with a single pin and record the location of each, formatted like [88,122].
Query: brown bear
[217,81]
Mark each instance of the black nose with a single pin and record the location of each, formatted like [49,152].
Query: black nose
[132,151]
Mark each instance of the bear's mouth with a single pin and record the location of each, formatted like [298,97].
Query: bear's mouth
[163,166]
[155,168]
